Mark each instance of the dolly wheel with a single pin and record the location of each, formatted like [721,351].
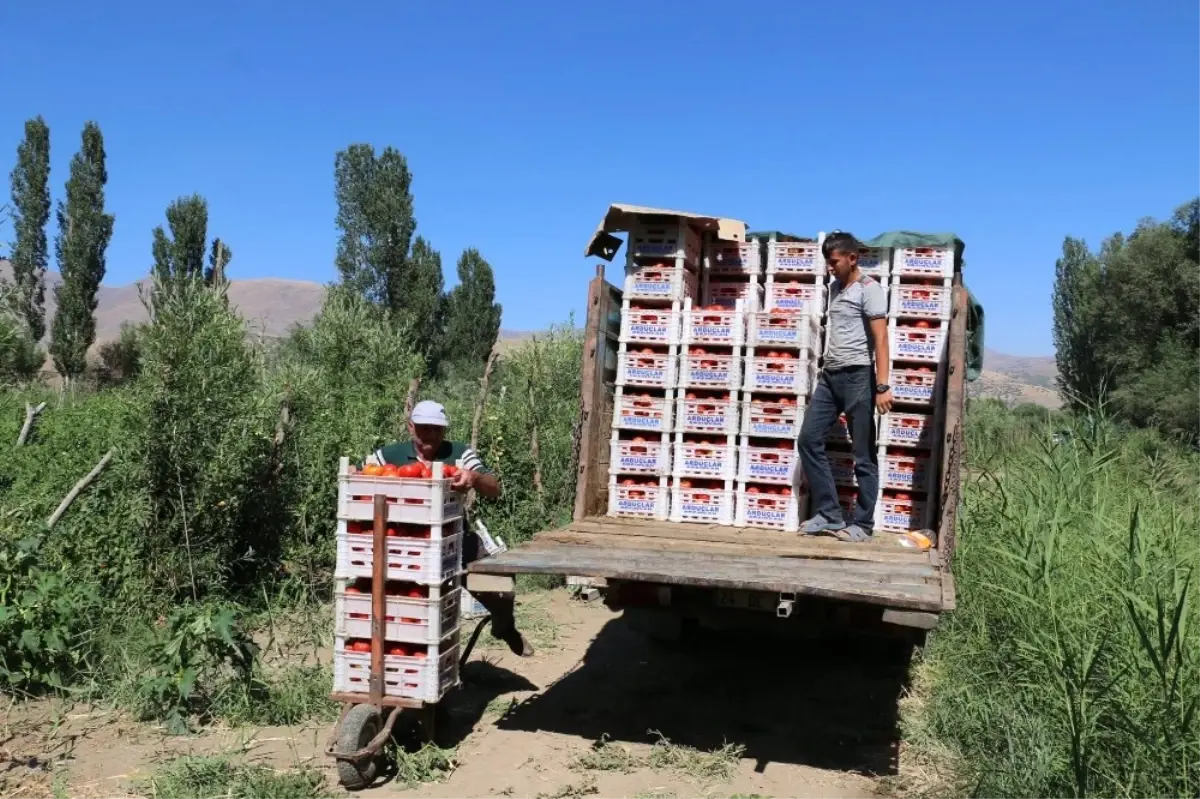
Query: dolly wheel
[360,726]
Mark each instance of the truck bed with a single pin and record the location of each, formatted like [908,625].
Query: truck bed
[879,572]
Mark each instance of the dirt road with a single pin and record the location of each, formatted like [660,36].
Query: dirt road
[734,718]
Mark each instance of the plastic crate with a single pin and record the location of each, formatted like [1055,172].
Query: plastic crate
[725,327]
[772,511]
[876,262]
[646,367]
[640,410]
[847,498]
[784,328]
[650,325]
[418,620]
[840,432]
[779,375]
[423,532]
[919,301]
[793,295]
[921,344]
[775,465]
[733,257]
[923,262]
[772,417]
[729,293]
[671,238]
[638,501]
[661,283]
[909,471]
[410,500]
[709,371]
[915,385]
[710,460]
[841,467]
[900,514]
[649,457]
[795,258]
[704,415]
[897,429]
[704,505]
[427,678]
[412,560]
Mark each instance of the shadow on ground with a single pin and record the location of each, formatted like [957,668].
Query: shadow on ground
[828,702]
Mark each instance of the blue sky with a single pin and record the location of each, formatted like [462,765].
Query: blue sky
[1010,124]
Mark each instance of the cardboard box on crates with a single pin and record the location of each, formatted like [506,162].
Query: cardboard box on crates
[638,497]
[645,409]
[779,372]
[409,500]
[773,511]
[665,238]
[709,367]
[636,453]
[425,672]
[704,457]
[419,614]
[716,325]
[780,328]
[704,501]
[642,324]
[802,296]
[795,258]
[923,341]
[923,262]
[703,411]
[729,293]
[924,300]
[662,283]
[733,257]
[647,366]
[772,460]
[772,416]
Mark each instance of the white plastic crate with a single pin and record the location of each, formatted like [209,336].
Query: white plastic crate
[774,464]
[650,456]
[634,409]
[898,429]
[876,262]
[729,293]
[424,532]
[717,325]
[772,511]
[901,513]
[794,295]
[414,560]
[713,458]
[662,283]
[427,677]
[710,371]
[733,257]
[671,238]
[922,344]
[425,618]
[704,505]
[848,500]
[911,471]
[646,367]
[696,414]
[784,328]
[920,301]
[643,325]
[779,374]
[840,432]
[795,258]
[410,500]
[914,385]
[923,262]
[638,501]
[772,417]
[841,467]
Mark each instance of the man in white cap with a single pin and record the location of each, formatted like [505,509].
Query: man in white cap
[427,431]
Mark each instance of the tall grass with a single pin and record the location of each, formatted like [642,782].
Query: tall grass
[1072,665]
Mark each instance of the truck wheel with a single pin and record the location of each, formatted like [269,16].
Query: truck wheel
[360,726]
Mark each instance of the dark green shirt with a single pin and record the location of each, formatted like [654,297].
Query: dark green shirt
[452,453]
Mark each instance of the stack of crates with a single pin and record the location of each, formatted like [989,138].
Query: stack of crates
[422,590]
[662,274]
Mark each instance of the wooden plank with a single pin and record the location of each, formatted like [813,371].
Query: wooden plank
[590,476]
[489,584]
[910,618]
[956,392]
[711,571]
[949,594]
[898,572]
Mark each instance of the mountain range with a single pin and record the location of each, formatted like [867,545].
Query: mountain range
[272,306]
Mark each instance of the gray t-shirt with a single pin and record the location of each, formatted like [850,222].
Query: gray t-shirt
[849,327]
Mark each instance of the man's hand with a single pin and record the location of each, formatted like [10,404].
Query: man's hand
[883,402]
[484,484]
[464,480]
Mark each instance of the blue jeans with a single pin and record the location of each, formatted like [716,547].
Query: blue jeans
[851,391]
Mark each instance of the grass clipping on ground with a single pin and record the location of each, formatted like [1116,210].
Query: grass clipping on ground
[715,766]
[204,777]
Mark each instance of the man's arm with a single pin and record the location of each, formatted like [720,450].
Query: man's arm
[477,475]
[879,331]
[875,309]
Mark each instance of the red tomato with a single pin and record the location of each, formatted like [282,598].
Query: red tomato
[426,471]
[352,589]
[410,470]
[397,650]
[358,645]
[449,470]
[416,592]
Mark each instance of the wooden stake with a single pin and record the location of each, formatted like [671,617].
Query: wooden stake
[31,413]
[74,492]
[411,399]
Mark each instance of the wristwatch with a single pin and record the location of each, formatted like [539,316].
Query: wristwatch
[882,388]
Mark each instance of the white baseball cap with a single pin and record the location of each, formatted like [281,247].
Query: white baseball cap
[430,412]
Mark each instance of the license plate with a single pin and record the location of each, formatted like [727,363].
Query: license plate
[746,600]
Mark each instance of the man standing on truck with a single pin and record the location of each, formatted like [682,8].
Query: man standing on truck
[427,432]
[853,381]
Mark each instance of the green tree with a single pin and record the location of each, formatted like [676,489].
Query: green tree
[472,313]
[425,301]
[179,257]
[1080,373]
[30,213]
[218,258]
[84,230]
